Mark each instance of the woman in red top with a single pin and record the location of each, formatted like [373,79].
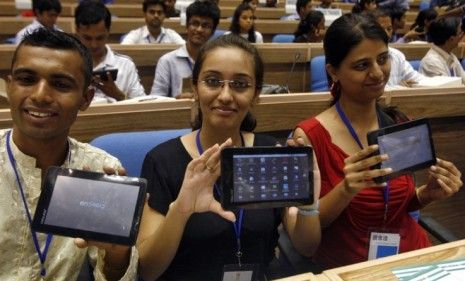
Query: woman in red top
[352,206]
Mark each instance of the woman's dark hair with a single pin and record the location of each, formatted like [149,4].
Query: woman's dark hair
[309,24]
[58,40]
[424,15]
[344,34]
[230,41]
[360,6]
[235,27]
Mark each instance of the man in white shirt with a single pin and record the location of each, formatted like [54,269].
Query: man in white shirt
[302,8]
[153,31]
[445,34]
[46,13]
[175,68]
[47,87]
[93,21]
[402,72]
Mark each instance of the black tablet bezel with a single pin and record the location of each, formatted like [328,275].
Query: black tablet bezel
[227,184]
[373,139]
[102,73]
[38,223]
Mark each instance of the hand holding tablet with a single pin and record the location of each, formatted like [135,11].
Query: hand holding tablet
[409,146]
[90,205]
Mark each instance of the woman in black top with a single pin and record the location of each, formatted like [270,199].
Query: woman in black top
[185,234]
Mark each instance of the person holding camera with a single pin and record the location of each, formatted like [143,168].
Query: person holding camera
[185,234]
[93,21]
[362,219]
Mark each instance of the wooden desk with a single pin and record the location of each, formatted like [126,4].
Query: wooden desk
[380,269]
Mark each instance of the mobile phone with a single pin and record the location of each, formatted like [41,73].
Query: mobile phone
[266,177]
[103,74]
[90,205]
[409,146]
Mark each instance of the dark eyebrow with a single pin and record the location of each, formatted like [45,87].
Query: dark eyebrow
[65,76]
[22,70]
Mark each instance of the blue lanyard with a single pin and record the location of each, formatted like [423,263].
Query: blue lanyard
[238,224]
[190,64]
[351,130]
[42,254]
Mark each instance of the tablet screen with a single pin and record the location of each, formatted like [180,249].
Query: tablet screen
[72,207]
[406,148]
[268,177]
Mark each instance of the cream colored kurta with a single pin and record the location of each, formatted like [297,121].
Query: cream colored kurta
[18,257]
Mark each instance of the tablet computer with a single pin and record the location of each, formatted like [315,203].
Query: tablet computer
[266,177]
[409,146]
[102,73]
[90,205]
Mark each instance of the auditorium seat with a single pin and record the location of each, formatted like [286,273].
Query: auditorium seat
[319,81]
[283,38]
[415,64]
[131,147]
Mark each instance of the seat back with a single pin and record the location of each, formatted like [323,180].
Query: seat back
[415,64]
[131,147]
[319,81]
[283,38]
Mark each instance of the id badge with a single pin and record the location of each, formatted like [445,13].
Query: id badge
[245,272]
[383,244]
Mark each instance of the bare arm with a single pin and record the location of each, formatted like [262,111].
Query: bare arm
[159,236]
[357,177]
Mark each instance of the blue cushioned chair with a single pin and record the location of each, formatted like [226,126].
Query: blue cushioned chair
[424,5]
[131,147]
[283,38]
[415,64]
[319,81]
[463,63]
[218,33]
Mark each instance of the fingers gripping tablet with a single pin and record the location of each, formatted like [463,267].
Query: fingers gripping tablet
[90,205]
[409,146]
[266,177]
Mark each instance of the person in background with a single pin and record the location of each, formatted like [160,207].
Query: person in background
[354,210]
[270,4]
[153,31]
[171,11]
[202,17]
[394,4]
[398,18]
[418,31]
[327,4]
[364,6]
[93,21]
[253,4]
[311,29]
[242,24]
[48,85]
[185,234]
[46,13]
[402,72]
[302,8]
[445,34]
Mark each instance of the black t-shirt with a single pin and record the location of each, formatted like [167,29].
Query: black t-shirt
[208,241]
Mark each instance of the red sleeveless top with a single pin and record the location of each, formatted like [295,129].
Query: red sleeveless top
[345,240]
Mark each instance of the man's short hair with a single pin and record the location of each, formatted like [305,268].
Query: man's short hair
[46,5]
[397,13]
[53,39]
[91,12]
[301,4]
[204,9]
[147,3]
[442,29]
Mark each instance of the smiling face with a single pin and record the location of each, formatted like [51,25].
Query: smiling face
[46,91]
[199,30]
[224,108]
[364,71]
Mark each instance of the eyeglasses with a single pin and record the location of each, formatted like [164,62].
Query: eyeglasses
[204,25]
[240,85]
